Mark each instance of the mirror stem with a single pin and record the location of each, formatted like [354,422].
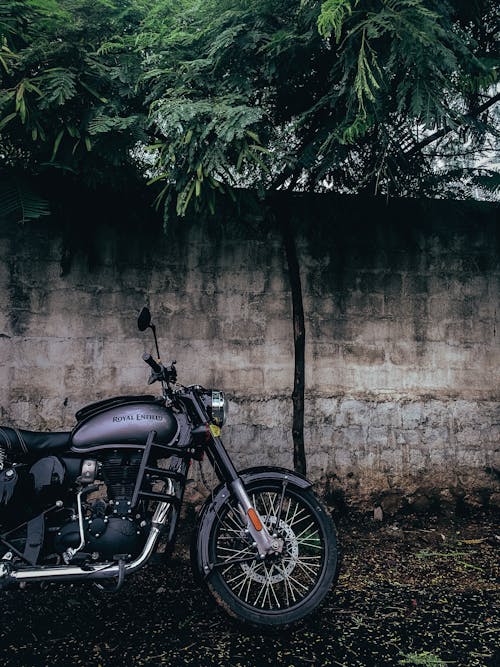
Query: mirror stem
[153,329]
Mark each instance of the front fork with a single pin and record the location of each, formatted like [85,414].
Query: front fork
[265,542]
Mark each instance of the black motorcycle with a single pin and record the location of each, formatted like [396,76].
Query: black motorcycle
[99,502]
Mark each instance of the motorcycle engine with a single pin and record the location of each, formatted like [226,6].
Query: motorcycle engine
[111,530]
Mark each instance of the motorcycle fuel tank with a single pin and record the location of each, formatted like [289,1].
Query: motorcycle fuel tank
[127,424]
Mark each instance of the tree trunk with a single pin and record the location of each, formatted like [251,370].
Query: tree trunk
[299,338]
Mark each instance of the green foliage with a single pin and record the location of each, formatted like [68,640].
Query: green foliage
[332,16]
[338,94]
[69,95]
[196,136]
[205,96]
[59,86]
[19,203]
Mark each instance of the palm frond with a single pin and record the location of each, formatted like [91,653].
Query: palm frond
[58,85]
[19,203]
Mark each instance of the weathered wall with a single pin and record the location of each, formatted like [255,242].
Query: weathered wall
[402,345]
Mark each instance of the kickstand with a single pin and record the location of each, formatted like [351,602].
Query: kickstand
[119,583]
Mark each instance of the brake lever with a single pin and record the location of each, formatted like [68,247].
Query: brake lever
[155,377]
[172,371]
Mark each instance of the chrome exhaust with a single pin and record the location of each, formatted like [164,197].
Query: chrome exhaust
[93,572]
[89,572]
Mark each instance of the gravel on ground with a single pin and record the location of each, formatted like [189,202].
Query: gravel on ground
[413,591]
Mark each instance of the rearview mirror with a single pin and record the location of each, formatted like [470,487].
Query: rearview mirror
[144,319]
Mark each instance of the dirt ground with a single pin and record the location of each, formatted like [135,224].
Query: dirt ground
[413,591]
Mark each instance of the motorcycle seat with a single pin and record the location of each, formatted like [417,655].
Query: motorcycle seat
[32,443]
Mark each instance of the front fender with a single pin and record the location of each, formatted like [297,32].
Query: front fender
[199,546]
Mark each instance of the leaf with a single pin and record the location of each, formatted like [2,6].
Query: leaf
[73,131]
[22,110]
[31,87]
[104,100]
[6,119]
[18,202]
[57,143]
[365,82]
[102,124]
[156,179]
[477,541]
[20,92]
[332,16]
[111,46]
[58,85]
[253,135]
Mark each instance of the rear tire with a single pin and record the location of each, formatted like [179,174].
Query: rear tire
[282,589]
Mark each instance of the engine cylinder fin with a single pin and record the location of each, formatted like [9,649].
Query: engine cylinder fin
[120,471]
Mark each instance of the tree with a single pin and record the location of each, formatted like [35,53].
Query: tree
[338,95]
[354,96]
[70,109]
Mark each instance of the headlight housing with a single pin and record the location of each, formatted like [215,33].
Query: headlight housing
[218,407]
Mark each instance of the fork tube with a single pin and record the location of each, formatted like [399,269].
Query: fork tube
[220,460]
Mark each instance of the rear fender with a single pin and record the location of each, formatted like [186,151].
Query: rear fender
[200,561]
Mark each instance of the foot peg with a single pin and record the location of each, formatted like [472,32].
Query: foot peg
[5,574]
[113,588]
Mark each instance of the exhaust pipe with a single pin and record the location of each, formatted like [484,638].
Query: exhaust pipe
[66,573]
[89,573]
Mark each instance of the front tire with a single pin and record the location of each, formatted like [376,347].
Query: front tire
[283,588]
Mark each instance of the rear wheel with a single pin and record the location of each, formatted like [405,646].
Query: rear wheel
[284,587]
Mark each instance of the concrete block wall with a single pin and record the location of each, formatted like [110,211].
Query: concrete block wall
[401,324]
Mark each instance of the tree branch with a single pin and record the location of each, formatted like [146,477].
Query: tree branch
[445,130]
[472,151]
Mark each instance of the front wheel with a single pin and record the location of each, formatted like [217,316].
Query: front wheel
[284,587]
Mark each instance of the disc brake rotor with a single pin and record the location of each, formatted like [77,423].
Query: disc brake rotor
[290,556]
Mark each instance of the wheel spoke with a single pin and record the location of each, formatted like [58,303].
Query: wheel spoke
[235,552]
[304,531]
[266,511]
[271,502]
[306,573]
[256,601]
[249,581]
[288,511]
[309,545]
[285,587]
[286,580]
[289,584]
[299,516]
[272,588]
[291,522]
[297,582]
[280,506]
[247,577]
[234,533]
[238,577]
[236,521]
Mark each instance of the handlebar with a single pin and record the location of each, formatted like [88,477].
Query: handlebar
[160,372]
[151,362]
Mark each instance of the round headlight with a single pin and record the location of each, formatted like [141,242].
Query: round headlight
[219,407]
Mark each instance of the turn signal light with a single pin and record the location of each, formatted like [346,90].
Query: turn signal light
[252,515]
